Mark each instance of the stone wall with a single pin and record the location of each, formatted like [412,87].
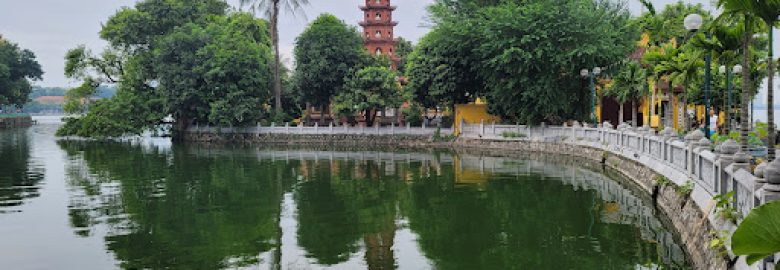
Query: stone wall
[687,218]
[401,140]
[15,121]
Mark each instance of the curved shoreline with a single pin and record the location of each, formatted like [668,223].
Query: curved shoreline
[689,216]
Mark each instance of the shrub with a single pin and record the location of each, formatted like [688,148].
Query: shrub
[414,114]
[512,134]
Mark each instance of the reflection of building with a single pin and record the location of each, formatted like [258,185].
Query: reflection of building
[378,27]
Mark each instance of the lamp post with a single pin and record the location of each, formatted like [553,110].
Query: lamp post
[737,69]
[591,75]
[693,23]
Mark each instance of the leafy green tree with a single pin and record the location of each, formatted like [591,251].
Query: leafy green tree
[403,48]
[523,62]
[367,91]
[17,67]
[326,53]
[216,74]
[271,8]
[440,69]
[186,59]
[629,85]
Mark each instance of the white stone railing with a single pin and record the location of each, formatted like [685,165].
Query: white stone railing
[322,130]
[712,171]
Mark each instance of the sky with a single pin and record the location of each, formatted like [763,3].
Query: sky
[50,27]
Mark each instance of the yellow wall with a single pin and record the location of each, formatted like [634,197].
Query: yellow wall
[472,114]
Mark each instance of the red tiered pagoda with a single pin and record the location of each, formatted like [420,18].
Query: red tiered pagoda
[378,28]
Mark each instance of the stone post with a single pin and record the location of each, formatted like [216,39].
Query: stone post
[481,127]
[771,190]
[691,142]
[668,135]
[543,126]
[408,127]
[330,127]
[286,127]
[316,127]
[493,125]
[392,128]
[759,174]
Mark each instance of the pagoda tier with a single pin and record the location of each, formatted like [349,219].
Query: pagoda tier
[377,23]
[378,28]
[374,6]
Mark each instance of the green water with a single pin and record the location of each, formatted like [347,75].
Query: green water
[147,204]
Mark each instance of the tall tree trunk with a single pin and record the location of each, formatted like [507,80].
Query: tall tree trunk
[277,61]
[770,111]
[743,130]
[634,114]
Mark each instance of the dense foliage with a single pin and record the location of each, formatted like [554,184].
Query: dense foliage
[514,53]
[186,59]
[17,67]
[369,89]
[326,53]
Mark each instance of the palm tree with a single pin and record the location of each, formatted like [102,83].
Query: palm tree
[766,11]
[681,69]
[271,8]
[769,12]
[655,57]
[726,43]
[629,85]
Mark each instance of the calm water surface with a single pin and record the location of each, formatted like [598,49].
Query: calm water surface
[147,204]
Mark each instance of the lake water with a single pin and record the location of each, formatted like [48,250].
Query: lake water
[148,204]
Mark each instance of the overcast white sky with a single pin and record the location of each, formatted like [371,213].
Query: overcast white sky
[51,27]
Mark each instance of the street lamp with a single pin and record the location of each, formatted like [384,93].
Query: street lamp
[591,75]
[693,23]
[737,69]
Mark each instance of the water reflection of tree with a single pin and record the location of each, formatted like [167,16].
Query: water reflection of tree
[343,201]
[19,177]
[176,210]
[533,225]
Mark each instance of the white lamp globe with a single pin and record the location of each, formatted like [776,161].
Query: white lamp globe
[722,69]
[693,22]
[584,73]
[596,71]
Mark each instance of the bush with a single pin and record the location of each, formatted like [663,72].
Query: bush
[414,114]
[512,134]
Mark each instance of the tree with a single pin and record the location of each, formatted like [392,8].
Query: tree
[767,11]
[326,53]
[403,48]
[184,59]
[367,91]
[629,85]
[440,71]
[743,8]
[271,8]
[17,67]
[523,62]
[682,69]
